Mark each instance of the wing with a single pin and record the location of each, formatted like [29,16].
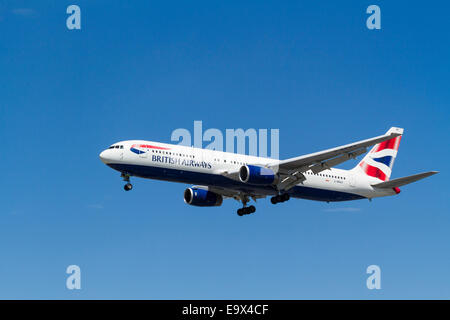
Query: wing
[230,193]
[291,170]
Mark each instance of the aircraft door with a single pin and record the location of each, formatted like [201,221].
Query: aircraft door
[351,180]
[204,157]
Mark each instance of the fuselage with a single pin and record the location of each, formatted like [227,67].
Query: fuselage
[161,161]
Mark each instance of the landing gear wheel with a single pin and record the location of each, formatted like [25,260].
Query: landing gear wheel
[280,198]
[128,187]
[246,210]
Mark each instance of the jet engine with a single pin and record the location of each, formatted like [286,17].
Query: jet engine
[257,175]
[202,198]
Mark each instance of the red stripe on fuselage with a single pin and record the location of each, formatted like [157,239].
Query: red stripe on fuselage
[148,146]
[153,147]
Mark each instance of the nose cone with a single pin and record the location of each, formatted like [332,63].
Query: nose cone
[103,156]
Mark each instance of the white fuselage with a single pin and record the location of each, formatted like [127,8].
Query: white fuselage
[183,164]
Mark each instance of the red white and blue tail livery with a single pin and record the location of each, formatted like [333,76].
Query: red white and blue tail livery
[379,161]
[218,175]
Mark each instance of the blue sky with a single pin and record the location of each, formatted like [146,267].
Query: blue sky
[141,70]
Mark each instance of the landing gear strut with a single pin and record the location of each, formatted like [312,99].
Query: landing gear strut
[280,198]
[245,210]
[126,177]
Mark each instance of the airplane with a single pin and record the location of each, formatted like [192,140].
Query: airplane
[218,175]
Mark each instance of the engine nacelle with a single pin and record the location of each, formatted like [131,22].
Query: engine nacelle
[202,198]
[257,175]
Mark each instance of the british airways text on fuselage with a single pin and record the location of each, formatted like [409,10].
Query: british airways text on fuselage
[181,162]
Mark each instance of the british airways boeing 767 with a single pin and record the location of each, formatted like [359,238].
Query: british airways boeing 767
[218,175]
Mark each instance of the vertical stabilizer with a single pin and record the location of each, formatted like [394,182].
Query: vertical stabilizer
[379,161]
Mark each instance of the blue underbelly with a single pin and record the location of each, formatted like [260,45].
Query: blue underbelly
[209,179]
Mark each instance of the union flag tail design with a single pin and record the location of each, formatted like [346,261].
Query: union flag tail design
[379,161]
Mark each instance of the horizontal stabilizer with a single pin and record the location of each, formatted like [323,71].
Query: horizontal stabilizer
[405,180]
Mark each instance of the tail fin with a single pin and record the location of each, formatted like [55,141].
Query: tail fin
[379,161]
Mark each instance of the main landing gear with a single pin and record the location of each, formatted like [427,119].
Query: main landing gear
[245,210]
[280,198]
[126,177]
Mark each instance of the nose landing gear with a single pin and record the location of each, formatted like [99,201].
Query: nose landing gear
[126,177]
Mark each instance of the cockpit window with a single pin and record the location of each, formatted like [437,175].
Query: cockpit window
[116,147]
